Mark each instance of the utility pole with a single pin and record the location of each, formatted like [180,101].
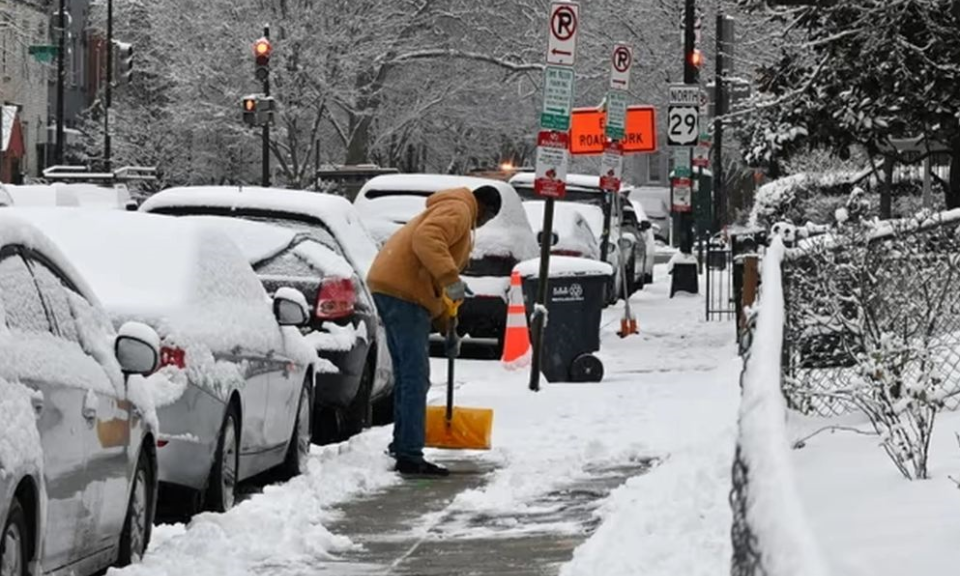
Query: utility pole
[61,77]
[690,76]
[719,109]
[265,159]
[108,95]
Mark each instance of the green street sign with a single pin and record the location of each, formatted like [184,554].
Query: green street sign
[42,52]
[616,114]
[557,98]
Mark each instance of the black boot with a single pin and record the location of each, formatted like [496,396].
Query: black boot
[420,468]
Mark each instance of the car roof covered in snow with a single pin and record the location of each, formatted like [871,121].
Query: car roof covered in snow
[389,201]
[64,194]
[19,230]
[335,212]
[143,265]
[260,241]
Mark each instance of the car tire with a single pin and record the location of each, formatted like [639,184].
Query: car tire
[298,450]
[15,542]
[222,485]
[139,519]
[383,413]
[358,414]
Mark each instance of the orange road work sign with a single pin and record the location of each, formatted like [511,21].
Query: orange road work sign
[587,131]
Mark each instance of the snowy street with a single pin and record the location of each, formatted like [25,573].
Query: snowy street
[625,476]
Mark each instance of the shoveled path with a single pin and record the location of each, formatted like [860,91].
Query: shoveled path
[410,530]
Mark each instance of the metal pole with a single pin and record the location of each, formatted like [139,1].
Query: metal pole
[689,77]
[61,77]
[538,320]
[109,91]
[927,198]
[265,153]
[719,109]
[605,233]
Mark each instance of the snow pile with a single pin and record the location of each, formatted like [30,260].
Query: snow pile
[20,448]
[565,267]
[774,511]
[387,202]
[336,338]
[279,531]
[333,212]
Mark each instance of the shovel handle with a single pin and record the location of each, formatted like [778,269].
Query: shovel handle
[451,359]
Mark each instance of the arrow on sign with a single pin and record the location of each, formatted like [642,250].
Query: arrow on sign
[556,52]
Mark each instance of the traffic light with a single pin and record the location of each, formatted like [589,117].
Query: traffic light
[266,110]
[696,58]
[250,110]
[122,62]
[261,51]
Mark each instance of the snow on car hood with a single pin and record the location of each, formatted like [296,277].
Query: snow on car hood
[20,448]
[334,211]
[507,234]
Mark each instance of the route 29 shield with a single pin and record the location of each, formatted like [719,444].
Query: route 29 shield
[551,178]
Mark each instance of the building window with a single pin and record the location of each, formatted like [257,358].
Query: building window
[654,171]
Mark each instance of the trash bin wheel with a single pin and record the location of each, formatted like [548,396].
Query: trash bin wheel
[586,368]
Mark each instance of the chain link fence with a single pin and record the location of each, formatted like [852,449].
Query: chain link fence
[868,290]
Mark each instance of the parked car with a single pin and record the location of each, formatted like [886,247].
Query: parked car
[78,460]
[584,192]
[344,327]
[655,201]
[388,202]
[572,235]
[234,391]
[638,225]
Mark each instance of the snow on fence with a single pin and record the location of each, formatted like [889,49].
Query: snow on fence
[770,535]
[873,303]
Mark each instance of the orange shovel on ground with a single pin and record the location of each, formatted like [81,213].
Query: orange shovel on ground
[453,427]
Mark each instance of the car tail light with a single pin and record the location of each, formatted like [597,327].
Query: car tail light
[574,253]
[171,356]
[162,443]
[335,299]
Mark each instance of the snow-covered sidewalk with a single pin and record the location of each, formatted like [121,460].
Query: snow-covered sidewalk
[670,394]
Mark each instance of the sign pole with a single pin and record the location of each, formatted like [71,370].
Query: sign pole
[552,152]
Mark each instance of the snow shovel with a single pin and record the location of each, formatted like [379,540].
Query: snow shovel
[453,427]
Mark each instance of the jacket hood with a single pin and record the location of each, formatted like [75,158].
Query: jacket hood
[463,195]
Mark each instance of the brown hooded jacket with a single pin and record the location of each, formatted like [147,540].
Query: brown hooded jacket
[429,252]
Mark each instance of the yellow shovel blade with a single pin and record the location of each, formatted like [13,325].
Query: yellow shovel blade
[470,428]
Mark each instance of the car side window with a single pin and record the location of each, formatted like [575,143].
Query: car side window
[55,295]
[21,301]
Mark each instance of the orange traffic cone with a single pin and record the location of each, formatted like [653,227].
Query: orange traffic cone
[516,339]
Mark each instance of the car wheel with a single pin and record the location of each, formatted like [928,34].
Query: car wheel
[222,487]
[136,528]
[358,413]
[298,451]
[14,543]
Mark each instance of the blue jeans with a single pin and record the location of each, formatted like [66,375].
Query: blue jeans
[408,337]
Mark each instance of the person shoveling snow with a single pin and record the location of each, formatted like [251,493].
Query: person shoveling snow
[415,281]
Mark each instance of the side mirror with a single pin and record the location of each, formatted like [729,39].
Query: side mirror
[137,348]
[645,225]
[554,238]
[290,307]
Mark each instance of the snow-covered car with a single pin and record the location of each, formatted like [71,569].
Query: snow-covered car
[78,461]
[233,393]
[388,202]
[583,191]
[345,327]
[572,235]
[5,198]
[76,195]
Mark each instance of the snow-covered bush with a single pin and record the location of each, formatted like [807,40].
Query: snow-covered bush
[801,198]
[874,323]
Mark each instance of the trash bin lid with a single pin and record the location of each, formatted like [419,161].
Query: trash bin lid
[565,266]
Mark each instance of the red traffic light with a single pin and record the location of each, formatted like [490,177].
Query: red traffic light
[249,104]
[696,58]
[262,48]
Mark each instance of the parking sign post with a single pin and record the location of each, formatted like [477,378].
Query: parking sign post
[552,150]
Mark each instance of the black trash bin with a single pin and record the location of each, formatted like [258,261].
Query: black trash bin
[575,300]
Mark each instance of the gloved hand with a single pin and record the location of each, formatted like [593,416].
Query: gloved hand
[453,295]
[451,346]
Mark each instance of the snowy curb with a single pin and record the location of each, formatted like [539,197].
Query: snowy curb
[773,511]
